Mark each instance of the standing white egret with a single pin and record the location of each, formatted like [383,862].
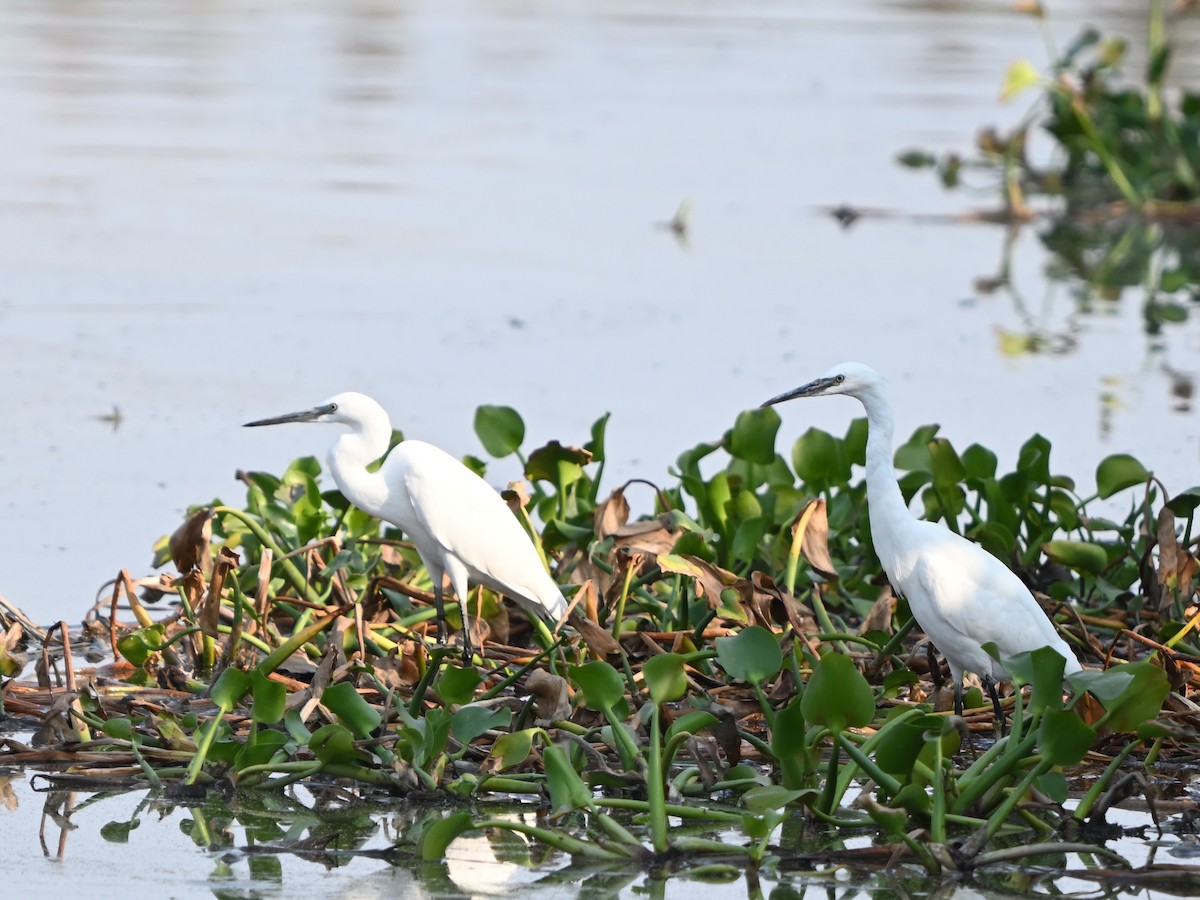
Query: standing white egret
[961,595]
[460,526]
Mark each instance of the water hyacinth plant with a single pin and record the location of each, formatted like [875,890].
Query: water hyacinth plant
[738,659]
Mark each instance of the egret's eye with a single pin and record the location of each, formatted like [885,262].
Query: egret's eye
[839,378]
[333,407]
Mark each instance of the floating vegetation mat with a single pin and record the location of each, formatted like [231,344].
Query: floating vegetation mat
[734,667]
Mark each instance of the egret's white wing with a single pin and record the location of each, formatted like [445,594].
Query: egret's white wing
[979,599]
[465,516]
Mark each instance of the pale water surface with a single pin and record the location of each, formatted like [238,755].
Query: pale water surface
[212,212]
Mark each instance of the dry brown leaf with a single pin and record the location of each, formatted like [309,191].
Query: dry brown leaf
[209,614]
[814,546]
[516,496]
[710,579]
[551,697]
[646,536]
[780,605]
[598,640]
[879,618]
[611,514]
[190,541]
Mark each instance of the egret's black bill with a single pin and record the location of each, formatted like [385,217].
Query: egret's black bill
[308,415]
[805,390]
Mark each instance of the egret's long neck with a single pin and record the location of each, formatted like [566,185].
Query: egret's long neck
[887,510]
[348,459]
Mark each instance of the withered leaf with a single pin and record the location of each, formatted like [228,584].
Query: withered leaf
[551,698]
[710,580]
[189,543]
[879,618]
[598,640]
[516,495]
[780,605]
[652,536]
[814,545]
[611,514]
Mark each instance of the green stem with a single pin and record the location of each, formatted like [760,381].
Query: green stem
[655,790]
[1084,809]
[293,574]
[620,612]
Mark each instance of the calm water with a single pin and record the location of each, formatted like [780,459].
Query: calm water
[213,212]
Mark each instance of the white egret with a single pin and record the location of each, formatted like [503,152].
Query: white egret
[460,526]
[961,595]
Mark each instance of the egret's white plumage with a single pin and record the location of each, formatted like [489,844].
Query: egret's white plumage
[961,595]
[460,526]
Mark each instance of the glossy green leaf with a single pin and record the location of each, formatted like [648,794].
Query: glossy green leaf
[837,695]
[596,445]
[500,429]
[753,435]
[260,748]
[514,748]
[690,723]
[913,455]
[1079,555]
[855,442]
[440,833]
[819,460]
[457,685]
[788,744]
[1185,502]
[1117,472]
[1064,738]
[1132,694]
[119,728]
[1033,459]
[469,722]
[1054,785]
[559,465]
[269,698]
[333,743]
[751,655]
[768,798]
[229,688]
[352,710]
[980,462]
[137,646]
[897,753]
[665,677]
[567,790]
[602,685]
[948,469]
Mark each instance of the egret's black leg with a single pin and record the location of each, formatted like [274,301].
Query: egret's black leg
[935,669]
[441,611]
[994,694]
[468,652]
[958,699]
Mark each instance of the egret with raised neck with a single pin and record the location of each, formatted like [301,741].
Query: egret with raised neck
[961,596]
